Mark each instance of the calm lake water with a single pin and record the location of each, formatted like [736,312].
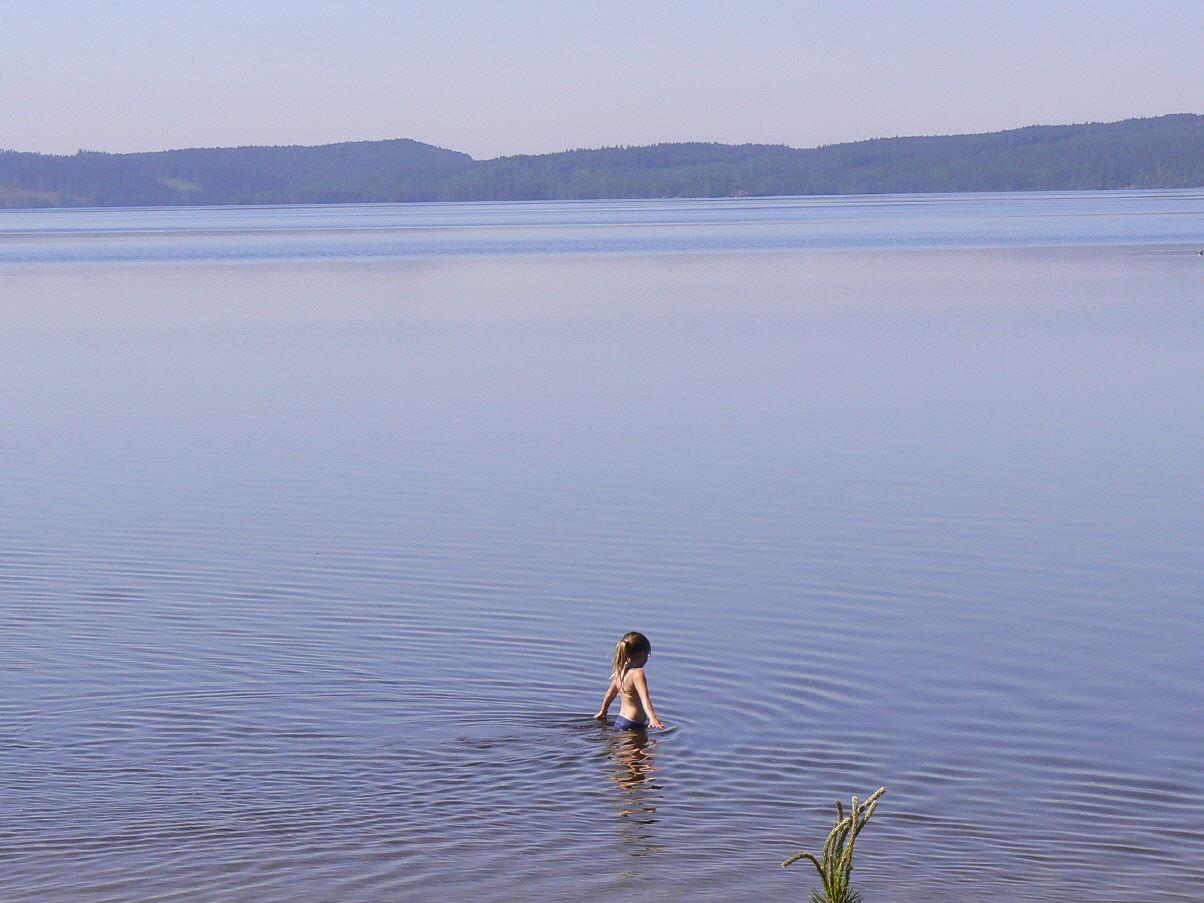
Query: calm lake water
[319,525]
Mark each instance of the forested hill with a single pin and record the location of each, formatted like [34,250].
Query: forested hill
[1161,152]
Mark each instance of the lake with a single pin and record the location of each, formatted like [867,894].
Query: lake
[319,525]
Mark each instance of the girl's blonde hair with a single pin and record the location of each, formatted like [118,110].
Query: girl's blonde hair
[628,649]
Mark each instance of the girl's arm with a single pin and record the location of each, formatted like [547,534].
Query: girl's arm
[611,692]
[641,687]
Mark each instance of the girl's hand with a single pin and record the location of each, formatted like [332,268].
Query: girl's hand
[656,723]
[601,716]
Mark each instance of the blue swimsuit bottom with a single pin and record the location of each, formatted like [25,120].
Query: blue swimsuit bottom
[626,724]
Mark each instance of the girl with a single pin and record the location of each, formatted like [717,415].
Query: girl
[627,680]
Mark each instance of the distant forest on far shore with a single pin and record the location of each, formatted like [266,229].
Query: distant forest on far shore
[1159,152]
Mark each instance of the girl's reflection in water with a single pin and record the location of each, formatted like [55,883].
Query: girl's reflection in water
[630,765]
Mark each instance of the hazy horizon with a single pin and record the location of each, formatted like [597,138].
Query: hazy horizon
[594,147]
[491,80]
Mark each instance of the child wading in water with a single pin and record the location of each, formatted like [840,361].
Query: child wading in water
[628,682]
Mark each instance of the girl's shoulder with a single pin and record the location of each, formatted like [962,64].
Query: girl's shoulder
[631,676]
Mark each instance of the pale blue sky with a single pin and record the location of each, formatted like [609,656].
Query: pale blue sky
[494,78]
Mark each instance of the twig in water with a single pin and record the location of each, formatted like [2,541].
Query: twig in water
[835,861]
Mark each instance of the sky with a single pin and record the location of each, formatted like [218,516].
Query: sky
[495,78]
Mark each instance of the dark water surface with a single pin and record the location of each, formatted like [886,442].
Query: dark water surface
[317,526]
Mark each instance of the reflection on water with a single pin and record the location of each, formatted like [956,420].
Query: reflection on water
[632,769]
[426,231]
[310,571]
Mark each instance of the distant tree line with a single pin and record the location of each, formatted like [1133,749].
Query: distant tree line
[1160,152]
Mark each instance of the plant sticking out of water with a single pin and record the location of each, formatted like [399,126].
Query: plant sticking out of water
[835,861]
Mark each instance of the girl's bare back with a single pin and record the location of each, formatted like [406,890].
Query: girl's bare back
[630,706]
